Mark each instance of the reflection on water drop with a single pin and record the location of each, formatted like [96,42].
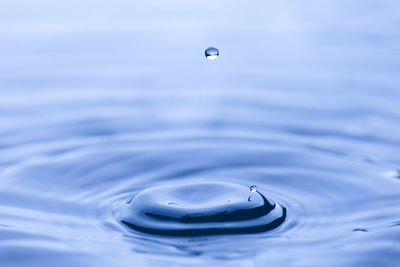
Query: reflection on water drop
[253,188]
[251,197]
[204,209]
[211,53]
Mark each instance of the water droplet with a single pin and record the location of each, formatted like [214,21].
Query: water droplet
[253,188]
[211,53]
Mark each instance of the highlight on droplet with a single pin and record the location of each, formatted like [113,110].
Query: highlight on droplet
[211,53]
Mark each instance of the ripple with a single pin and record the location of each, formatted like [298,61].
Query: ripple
[209,208]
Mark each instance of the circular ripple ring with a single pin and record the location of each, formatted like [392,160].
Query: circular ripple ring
[201,209]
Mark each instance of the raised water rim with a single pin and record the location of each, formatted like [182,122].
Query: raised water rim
[208,208]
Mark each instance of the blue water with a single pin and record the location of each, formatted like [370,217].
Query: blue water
[201,209]
[102,100]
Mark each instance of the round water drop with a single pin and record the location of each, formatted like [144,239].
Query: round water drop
[253,188]
[211,53]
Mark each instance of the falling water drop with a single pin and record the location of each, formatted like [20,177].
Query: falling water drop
[211,53]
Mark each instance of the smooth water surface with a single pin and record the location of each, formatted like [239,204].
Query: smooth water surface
[103,100]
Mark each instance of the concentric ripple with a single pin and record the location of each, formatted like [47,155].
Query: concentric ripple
[209,208]
[117,103]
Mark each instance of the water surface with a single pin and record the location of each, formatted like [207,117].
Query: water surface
[101,100]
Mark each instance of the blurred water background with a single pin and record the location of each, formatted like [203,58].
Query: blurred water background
[102,99]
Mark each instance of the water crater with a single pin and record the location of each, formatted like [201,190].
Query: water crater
[208,208]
